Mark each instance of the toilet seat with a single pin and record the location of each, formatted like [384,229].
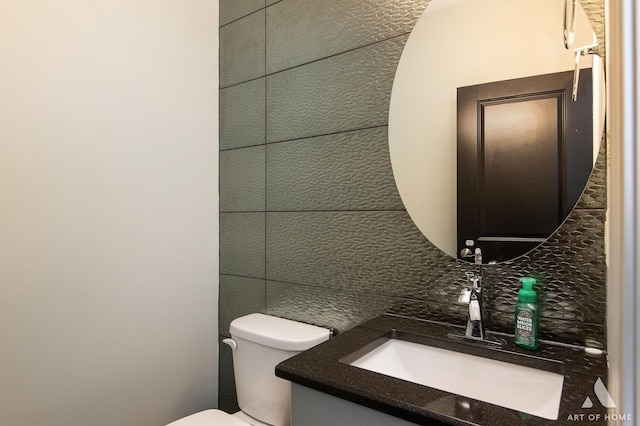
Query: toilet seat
[241,415]
[209,418]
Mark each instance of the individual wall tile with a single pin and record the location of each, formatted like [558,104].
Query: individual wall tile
[325,307]
[227,397]
[242,115]
[553,329]
[595,191]
[558,330]
[344,171]
[242,243]
[242,50]
[570,269]
[242,174]
[571,332]
[306,30]
[374,252]
[230,10]
[239,296]
[451,313]
[344,92]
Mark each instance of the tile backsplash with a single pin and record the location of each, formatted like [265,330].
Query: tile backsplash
[311,224]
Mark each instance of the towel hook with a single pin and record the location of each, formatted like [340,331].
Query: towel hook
[580,51]
[569,32]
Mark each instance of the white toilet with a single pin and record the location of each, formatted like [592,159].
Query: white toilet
[260,342]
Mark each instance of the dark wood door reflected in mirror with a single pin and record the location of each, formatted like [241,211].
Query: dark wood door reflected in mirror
[524,154]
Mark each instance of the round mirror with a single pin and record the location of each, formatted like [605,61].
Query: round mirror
[488,149]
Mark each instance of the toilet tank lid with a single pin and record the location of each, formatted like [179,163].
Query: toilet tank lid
[278,333]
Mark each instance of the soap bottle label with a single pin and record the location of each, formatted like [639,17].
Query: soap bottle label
[524,323]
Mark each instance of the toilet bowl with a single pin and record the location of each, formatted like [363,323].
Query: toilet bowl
[259,342]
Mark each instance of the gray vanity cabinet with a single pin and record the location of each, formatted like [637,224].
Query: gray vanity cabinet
[310,407]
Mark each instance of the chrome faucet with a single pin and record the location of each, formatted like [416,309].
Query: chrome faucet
[472,297]
[475,326]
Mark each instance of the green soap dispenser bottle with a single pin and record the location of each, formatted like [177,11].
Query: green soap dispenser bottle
[526,332]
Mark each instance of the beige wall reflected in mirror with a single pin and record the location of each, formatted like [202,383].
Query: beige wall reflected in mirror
[463,43]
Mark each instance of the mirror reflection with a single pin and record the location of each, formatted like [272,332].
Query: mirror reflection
[488,150]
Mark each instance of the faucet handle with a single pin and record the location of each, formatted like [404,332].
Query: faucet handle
[474,280]
[477,256]
[465,296]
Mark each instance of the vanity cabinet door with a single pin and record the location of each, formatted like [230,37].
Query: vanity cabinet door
[310,407]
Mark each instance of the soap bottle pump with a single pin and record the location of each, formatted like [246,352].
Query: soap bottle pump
[526,329]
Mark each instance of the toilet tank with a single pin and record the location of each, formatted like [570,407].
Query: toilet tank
[262,342]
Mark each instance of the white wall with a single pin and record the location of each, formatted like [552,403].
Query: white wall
[108,211]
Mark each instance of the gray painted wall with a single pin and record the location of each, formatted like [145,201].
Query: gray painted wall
[311,224]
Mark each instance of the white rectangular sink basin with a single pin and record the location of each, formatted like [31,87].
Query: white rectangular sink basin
[525,389]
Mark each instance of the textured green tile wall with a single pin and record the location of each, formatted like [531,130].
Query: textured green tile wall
[340,93]
[242,174]
[341,171]
[242,114]
[311,224]
[236,9]
[242,55]
[297,31]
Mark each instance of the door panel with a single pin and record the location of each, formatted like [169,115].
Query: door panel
[524,155]
[520,148]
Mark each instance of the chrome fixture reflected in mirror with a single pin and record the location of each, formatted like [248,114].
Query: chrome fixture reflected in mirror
[462,43]
[579,52]
[569,31]
[570,7]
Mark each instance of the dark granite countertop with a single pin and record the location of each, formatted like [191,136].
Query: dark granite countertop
[321,368]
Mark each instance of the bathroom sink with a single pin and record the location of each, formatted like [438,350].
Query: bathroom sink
[511,385]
